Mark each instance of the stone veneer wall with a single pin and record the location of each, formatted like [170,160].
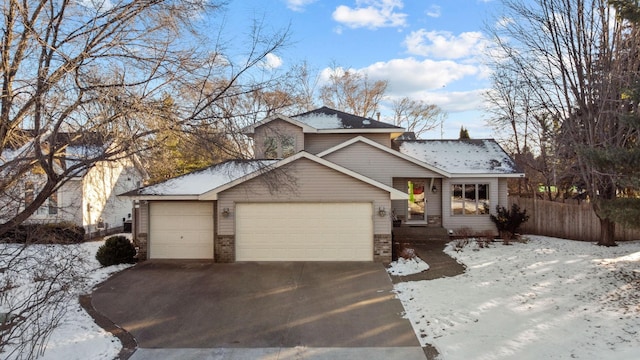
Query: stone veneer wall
[141,243]
[382,248]
[225,249]
[434,220]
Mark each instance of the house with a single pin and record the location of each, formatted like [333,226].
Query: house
[89,198]
[323,187]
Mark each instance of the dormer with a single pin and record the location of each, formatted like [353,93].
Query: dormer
[277,137]
[281,136]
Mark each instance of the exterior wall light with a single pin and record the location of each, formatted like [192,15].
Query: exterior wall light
[382,212]
[225,212]
[434,189]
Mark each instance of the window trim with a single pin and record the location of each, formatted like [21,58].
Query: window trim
[482,205]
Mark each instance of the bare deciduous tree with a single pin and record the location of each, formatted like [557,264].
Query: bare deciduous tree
[353,92]
[417,116]
[73,71]
[103,69]
[573,58]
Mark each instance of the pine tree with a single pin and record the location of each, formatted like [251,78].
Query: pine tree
[464,133]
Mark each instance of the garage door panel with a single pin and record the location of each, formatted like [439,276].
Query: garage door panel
[181,230]
[304,232]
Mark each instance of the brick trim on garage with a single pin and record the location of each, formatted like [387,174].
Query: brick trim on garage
[382,248]
[225,249]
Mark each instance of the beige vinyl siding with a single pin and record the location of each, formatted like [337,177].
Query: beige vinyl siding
[316,143]
[504,193]
[304,181]
[475,222]
[276,128]
[377,164]
[434,200]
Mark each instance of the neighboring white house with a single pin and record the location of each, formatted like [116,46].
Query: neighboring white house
[89,198]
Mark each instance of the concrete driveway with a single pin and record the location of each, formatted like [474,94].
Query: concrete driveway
[284,310]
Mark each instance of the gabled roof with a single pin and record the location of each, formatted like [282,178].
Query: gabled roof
[191,185]
[379,146]
[208,183]
[252,128]
[470,157]
[327,120]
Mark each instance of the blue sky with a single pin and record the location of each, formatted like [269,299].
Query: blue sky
[427,49]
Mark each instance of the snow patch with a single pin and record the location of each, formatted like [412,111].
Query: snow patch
[322,121]
[545,299]
[404,267]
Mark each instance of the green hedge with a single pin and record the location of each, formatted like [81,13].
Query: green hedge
[55,233]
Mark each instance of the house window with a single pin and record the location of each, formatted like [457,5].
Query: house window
[288,146]
[53,204]
[270,148]
[279,147]
[469,199]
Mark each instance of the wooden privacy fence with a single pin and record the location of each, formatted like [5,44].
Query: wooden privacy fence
[565,220]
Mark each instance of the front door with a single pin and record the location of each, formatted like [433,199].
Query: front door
[416,208]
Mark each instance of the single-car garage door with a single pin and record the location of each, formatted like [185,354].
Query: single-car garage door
[304,232]
[181,230]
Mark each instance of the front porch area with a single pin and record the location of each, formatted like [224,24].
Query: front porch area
[407,234]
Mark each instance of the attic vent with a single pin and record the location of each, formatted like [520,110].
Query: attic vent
[493,163]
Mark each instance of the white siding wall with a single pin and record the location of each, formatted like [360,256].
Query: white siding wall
[304,181]
[316,143]
[100,188]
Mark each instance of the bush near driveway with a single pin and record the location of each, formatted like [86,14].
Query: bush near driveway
[116,250]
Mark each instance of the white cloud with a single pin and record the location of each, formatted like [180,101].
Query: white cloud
[298,5]
[434,11]
[410,75]
[445,45]
[371,14]
[272,61]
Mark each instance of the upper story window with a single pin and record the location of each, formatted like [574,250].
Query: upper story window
[470,199]
[49,208]
[279,147]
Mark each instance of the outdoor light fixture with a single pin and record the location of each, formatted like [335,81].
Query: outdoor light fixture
[382,212]
[225,212]
[434,189]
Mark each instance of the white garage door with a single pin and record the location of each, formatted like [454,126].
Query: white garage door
[304,232]
[181,230]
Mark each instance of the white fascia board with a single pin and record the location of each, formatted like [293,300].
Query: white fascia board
[487,175]
[357,131]
[305,128]
[388,150]
[395,194]
[161,197]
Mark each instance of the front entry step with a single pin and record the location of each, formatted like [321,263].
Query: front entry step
[419,234]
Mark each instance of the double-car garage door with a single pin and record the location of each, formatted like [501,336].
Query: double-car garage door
[304,232]
[265,231]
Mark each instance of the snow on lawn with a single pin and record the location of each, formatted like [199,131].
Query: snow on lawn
[404,267]
[77,336]
[545,299]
